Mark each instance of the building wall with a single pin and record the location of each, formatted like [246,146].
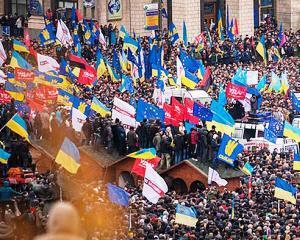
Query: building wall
[1,8]
[188,11]
[288,12]
[242,10]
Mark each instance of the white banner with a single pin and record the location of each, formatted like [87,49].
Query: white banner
[46,63]
[78,119]
[2,54]
[213,176]
[155,186]
[252,77]
[124,112]
[63,34]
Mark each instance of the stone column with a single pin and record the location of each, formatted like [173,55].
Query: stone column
[288,12]
[1,8]
[188,11]
[242,10]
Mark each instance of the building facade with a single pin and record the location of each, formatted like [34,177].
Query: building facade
[196,13]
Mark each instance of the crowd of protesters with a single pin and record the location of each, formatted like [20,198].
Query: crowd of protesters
[257,215]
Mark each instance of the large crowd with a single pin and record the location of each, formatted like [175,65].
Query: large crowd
[257,215]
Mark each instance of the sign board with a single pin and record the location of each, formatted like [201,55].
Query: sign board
[151,16]
[89,3]
[252,77]
[114,10]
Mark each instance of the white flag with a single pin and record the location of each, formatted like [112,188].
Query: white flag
[124,112]
[214,176]
[46,63]
[78,119]
[180,71]
[63,34]
[102,39]
[155,186]
[3,56]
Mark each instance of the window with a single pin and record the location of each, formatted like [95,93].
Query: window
[67,4]
[17,6]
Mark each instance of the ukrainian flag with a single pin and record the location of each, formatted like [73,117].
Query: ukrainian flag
[19,46]
[291,132]
[65,98]
[18,61]
[220,25]
[186,216]
[14,91]
[4,156]
[248,169]
[284,83]
[173,33]
[189,80]
[296,162]
[99,107]
[68,156]
[18,125]
[100,65]
[285,191]
[261,49]
[130,43]
[146,153]
[123,32]
[124,62]
[113,75]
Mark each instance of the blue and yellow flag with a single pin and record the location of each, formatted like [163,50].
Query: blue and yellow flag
[100,65]
[18,125]
[146,153]
[261,86]
[173,33]
[248,169]
[285,190]
[4,156]
[99,107]
[46,35]
[68,156]
[113,75]
[291,132]
[123,32]
[296,165]
[284,83]
[130,43]
[186,216]
[127,84]
[65,98]
[220,26]
[184,33]
[19,46]
[229,150]
[18,61]
[14,91]
[275,84]
[81,105]
[261,49]
[189,80]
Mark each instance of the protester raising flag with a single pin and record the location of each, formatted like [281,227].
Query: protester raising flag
[247,168]
[99,107]
[155,186]
[18,125]
[68,156]
[261,49]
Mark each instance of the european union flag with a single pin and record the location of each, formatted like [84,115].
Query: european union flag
[276,127]
[148,111]
[229,150]
[117,195]
[270,136]
[202,112]
[190,64]
[295,102]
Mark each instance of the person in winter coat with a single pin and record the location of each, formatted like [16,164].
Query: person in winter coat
[156,142]
[132,140]
[63,223]
[193,144]
[178,141]
[165,148]
[87,129]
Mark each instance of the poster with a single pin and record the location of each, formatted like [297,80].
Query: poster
[151,16]
[114,10]
[36,7]
[89,3]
